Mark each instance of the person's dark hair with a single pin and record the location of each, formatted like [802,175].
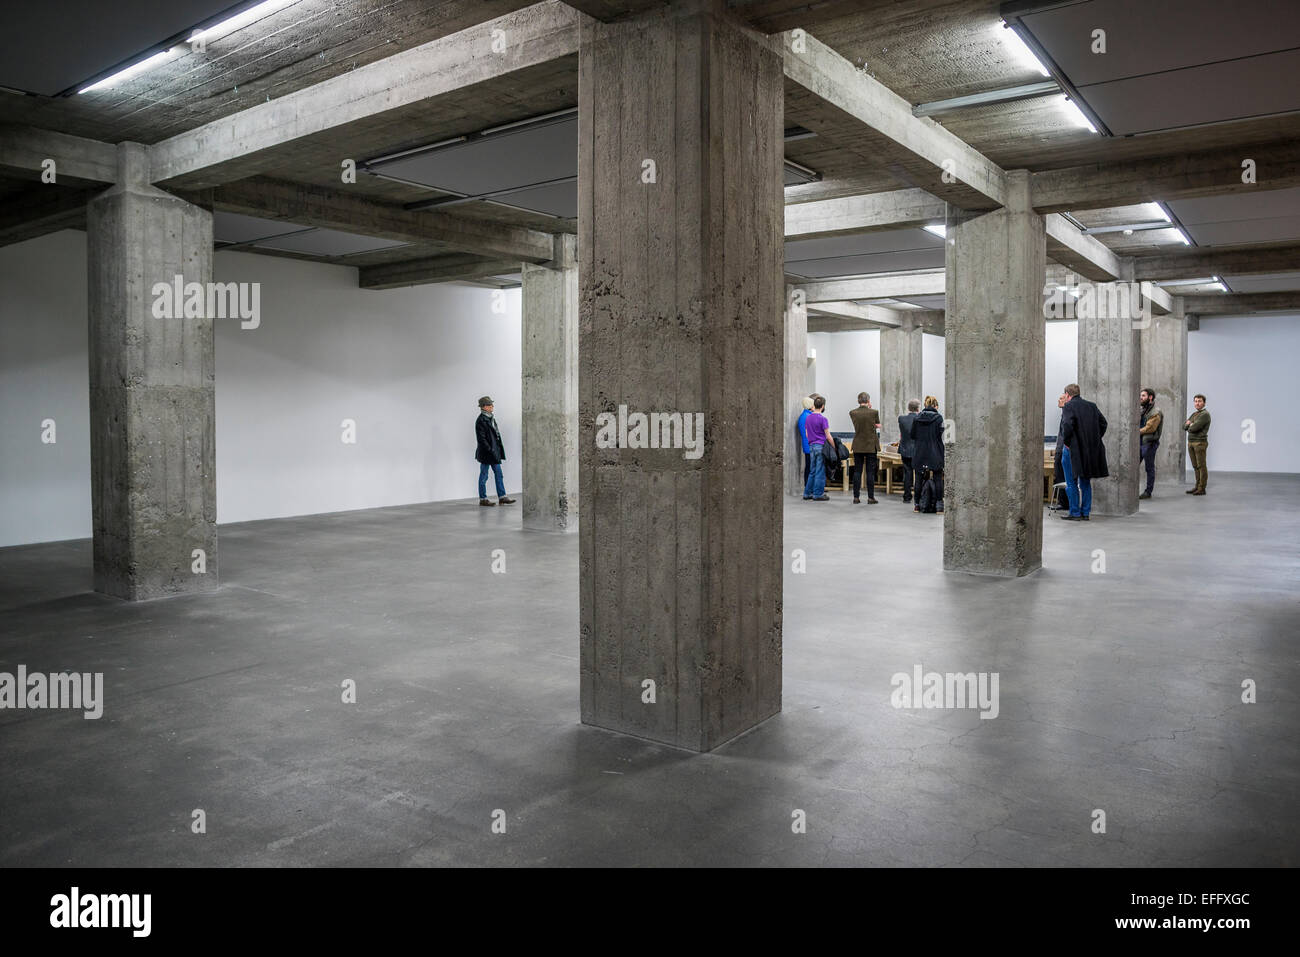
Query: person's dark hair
[1199,396]
[913,405]
[1072,390]
[863,398]
[1150,392]
[819,402]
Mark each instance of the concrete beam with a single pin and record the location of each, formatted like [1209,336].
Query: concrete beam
[309,205]
[237,146]
[864,317]
[41,210]
[826,218]
[928,282]
[1160,300]
[416,272]
[1196,263]
[1184,176]
[1085,255]
[77,160]
[933,157]
[1240,304]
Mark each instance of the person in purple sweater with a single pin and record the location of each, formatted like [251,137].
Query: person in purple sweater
[817,428]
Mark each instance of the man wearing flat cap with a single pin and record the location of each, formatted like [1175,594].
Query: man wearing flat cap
[491,452]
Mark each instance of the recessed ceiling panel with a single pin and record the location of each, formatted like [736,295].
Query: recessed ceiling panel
[884,241]
[1277,282]
[50,46]
[866,265]
[328,242]
[238,228]
[1261,217]
[506,160]
[558,200]
[1156,36]
[1213,93]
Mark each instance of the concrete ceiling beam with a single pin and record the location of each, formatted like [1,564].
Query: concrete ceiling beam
[25,152]
[1238,304]
[1198,263]
[930,282]
[1083,254]
[249,142]
[917,147]
[41,210]
[828,218]
[417,272]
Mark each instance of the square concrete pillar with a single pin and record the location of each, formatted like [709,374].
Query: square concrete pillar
[796,387]
[1109,363]
[1164,369]
[900,375]
[681,223]
[550,391]
[152,448]
[994,333]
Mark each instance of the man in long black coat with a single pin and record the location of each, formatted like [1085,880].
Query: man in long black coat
[1083,456]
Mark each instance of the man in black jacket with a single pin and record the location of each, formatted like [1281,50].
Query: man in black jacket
[1083,456]
[490,453]
[906,445]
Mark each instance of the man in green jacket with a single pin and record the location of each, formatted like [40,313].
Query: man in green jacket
[1198,440]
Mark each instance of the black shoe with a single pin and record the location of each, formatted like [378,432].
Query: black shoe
[1199,491]
[1070,518]
[823,498]
[487,503]
[1145,495]
[506,501]
[872,501]
[807,498]
[907,501]
[1191,491]
[857,501]
[1083,518]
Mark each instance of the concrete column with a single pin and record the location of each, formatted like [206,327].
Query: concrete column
[152,451]
[681,224]
[550,390]
[1164,368]
[796,387]
[1109,363]
[900,375]
[994,332]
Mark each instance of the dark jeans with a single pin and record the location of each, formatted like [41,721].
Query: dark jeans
[482,480]
[1148,454]
[870,460]
[907,477]
[807,464]
[1077,490]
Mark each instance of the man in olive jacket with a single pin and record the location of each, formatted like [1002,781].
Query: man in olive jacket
[490,453]
[1198,440]
[1152,424]
[1083,456]
[866,447]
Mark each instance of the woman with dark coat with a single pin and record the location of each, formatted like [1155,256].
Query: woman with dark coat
[927,453]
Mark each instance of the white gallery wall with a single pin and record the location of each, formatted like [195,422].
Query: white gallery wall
[406,365]
[1246,366]
[849,363]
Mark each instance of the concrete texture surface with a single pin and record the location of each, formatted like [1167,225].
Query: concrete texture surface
[680,245]
[900,376]
[1164,368]
[1109,368]
[152,406]
[1119,691]
[993,365]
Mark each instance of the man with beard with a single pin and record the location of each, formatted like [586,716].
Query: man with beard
[1083,456]
[1153,422]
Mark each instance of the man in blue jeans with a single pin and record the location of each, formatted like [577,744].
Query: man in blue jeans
[490,453]
[817,429]
[1083,455]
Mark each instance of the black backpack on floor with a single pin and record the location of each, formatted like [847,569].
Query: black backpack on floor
[928,497]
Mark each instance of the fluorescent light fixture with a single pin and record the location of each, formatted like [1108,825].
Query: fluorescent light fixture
[1023,53]
[1200,281]
[1078,115]
[135,68]
[228,25]
[938,229]
[1161,212]
[240,20]
[1218,284]
[1183,236]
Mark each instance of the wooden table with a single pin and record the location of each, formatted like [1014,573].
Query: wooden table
[889,462]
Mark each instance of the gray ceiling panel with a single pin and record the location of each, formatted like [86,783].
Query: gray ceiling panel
[328,242]
[1258,86]
[865,265]
[1245,231]
[1277,282]
[885,241]
[1155,36]
[558,200]
[1268,204]
[238,228]
[533,154]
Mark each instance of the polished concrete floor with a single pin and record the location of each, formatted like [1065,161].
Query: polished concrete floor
[1120,691]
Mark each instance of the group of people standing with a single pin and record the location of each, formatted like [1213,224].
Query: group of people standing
[920,447]
[1082,454]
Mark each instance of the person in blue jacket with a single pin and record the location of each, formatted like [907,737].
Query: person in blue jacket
[803,436]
